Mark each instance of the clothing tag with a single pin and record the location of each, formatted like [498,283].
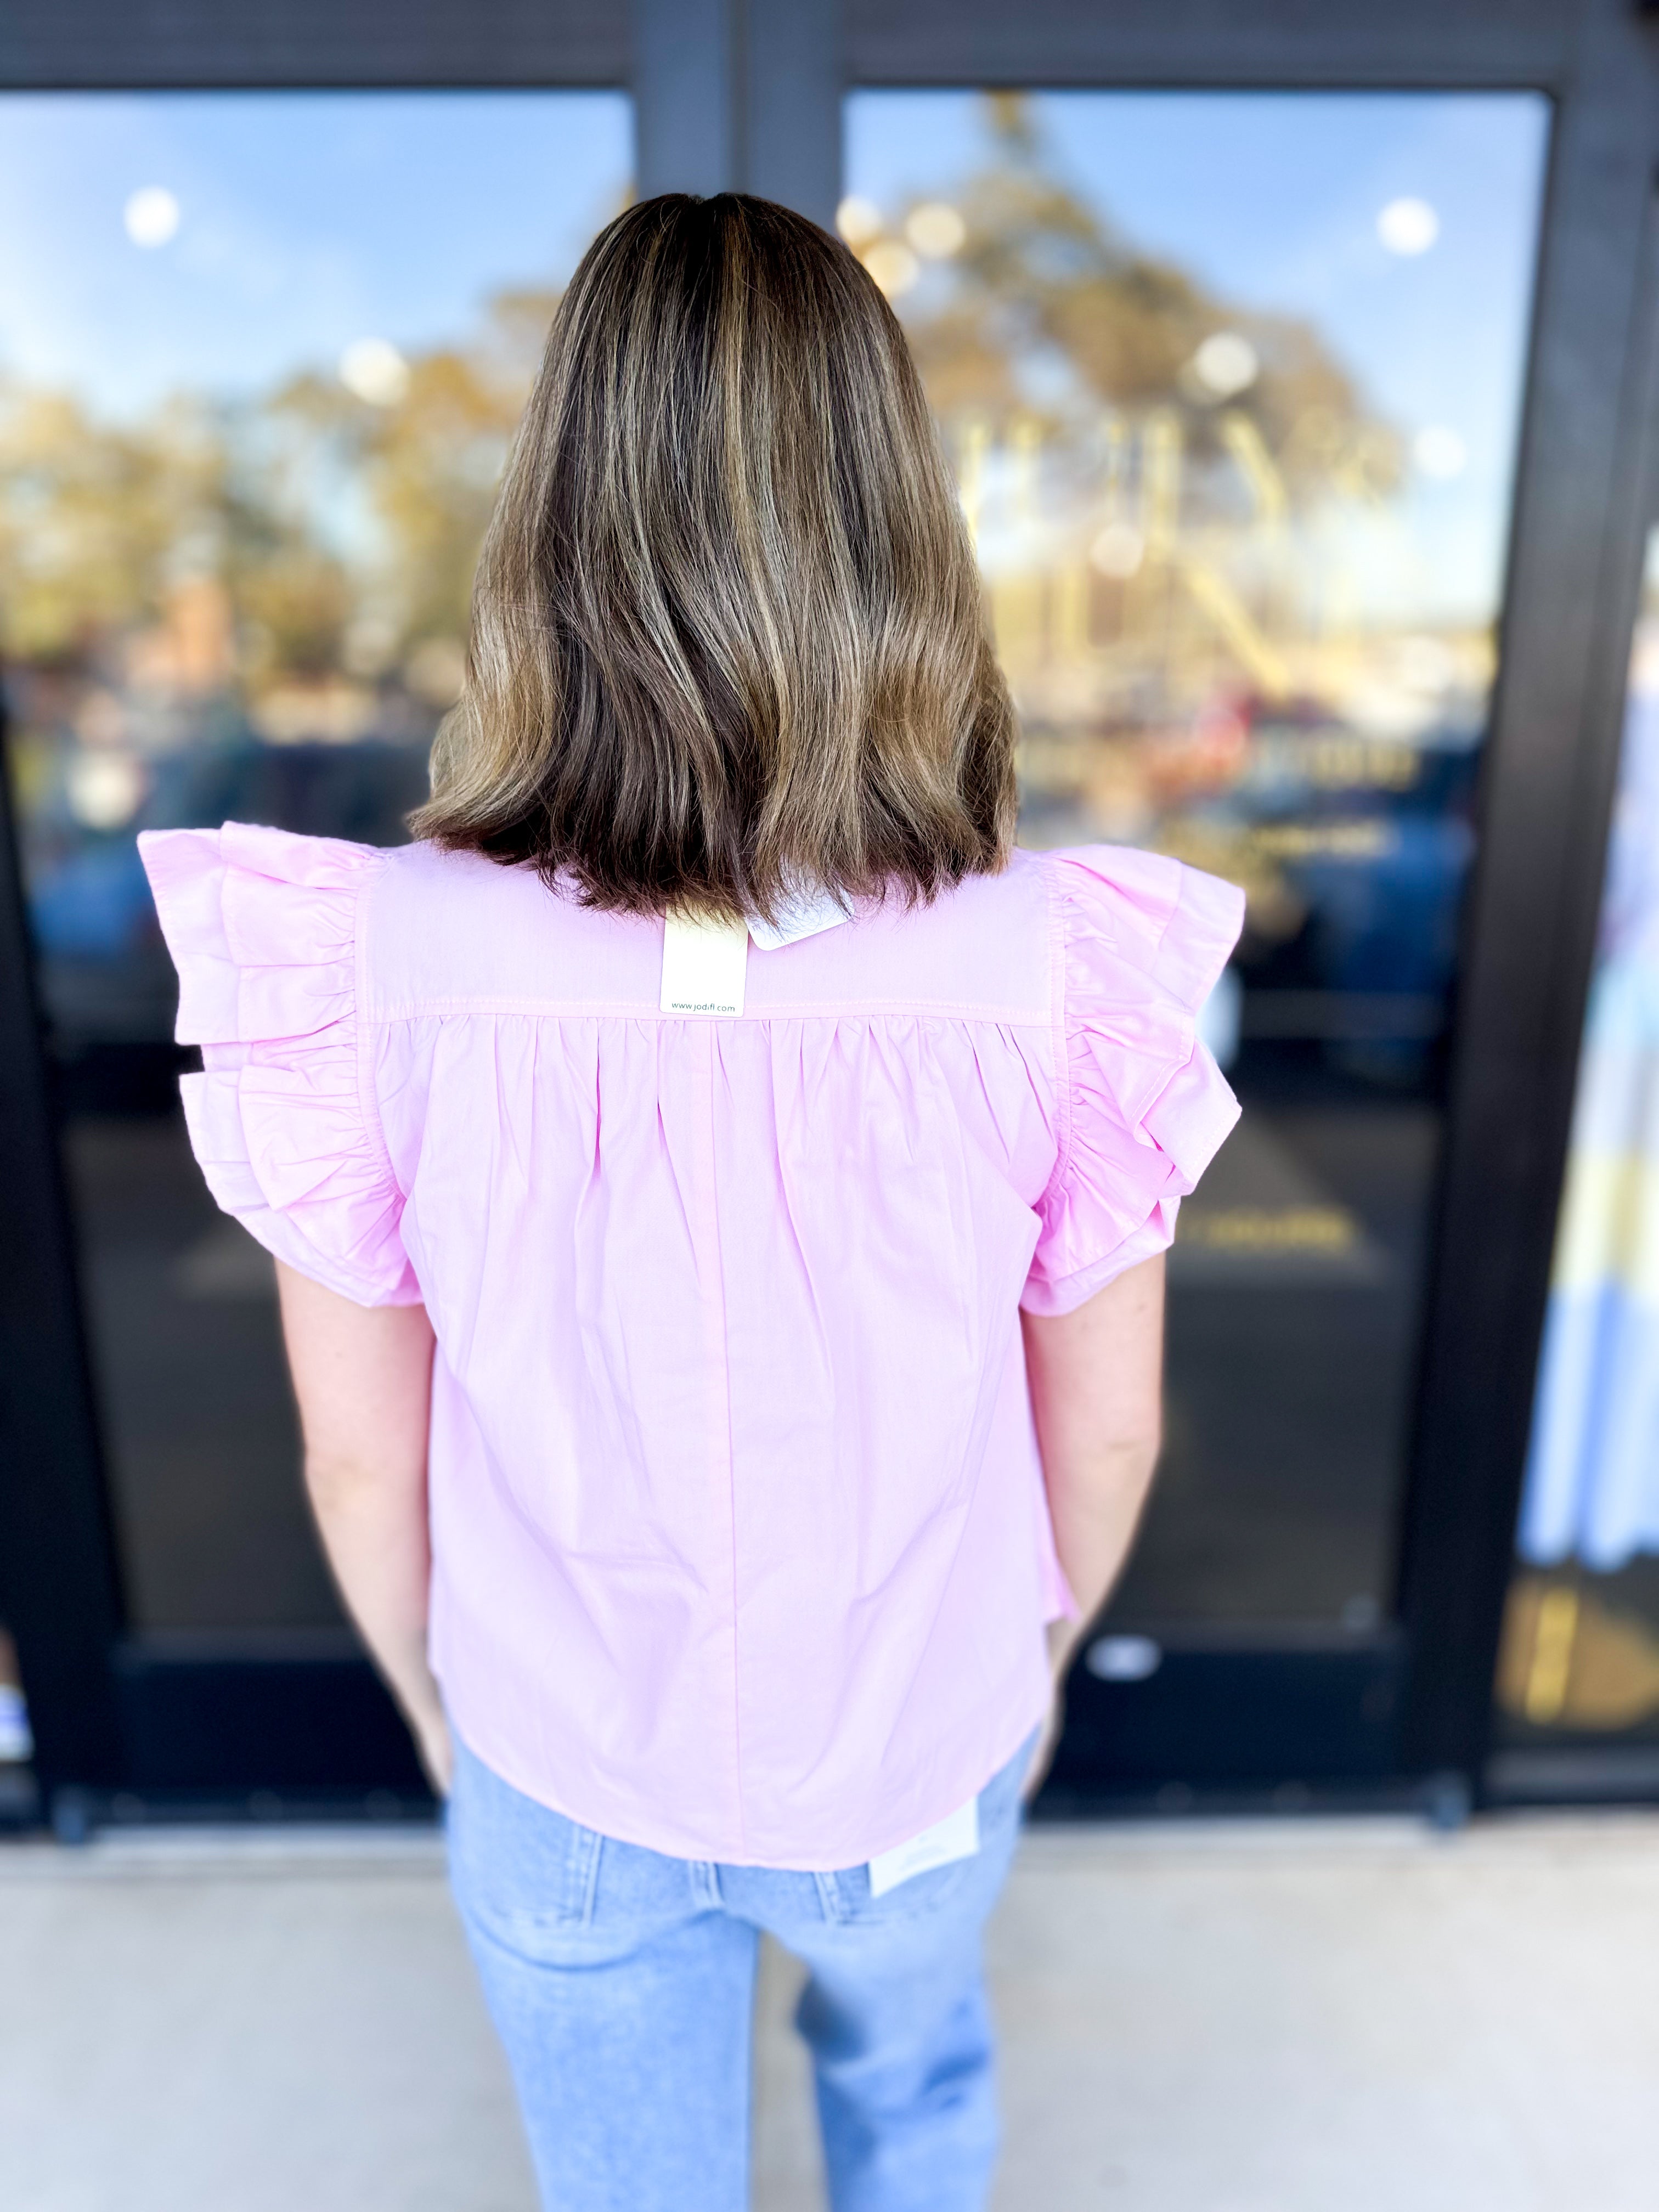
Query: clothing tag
[703,963]
[807,914]
[954,1836]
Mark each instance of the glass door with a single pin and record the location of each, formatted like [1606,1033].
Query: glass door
[1232,381]
[260,355]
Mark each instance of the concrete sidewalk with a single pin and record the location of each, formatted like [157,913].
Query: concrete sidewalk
[1305,2017]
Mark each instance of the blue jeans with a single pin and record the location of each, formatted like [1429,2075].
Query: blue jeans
[622,1983]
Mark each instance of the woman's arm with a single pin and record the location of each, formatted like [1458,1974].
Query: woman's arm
[1096,1379]
[363,1378]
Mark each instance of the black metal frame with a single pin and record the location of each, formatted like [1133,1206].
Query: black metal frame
[741,93]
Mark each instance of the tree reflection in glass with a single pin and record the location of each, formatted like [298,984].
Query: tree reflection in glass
[260,356]
[1230,383]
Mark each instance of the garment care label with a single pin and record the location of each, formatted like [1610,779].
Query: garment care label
[704,960]
[954,1836]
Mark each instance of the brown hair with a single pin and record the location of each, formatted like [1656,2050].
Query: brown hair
[727,633]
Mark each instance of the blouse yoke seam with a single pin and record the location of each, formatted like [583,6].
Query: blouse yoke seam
[642,1010]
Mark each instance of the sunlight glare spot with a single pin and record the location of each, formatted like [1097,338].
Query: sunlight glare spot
[893,266]
[376,370]
[1225,364]
[150,215]
[858,220]
[1408,227]
[935,229]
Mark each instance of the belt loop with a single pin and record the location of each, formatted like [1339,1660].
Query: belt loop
[705,1882]
[585,1876]
[833,1904]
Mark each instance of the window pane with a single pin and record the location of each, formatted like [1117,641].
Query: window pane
[1580,1656]
[259,358]
[1232,384]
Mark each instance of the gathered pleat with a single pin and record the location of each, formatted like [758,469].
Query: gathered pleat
[261,927]
[1144,940]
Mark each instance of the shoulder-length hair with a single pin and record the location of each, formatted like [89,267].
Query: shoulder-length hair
[728,641]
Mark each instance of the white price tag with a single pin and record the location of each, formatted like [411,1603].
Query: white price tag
[954,1836]
[704,960]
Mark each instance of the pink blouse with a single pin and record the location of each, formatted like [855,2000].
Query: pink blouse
[740,1548]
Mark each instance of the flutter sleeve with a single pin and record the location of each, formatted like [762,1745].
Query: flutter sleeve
[1141,941]
[263,928]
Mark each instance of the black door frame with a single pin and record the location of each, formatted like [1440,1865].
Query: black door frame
[741,93]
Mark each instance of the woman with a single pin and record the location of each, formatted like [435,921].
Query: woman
[720,1189]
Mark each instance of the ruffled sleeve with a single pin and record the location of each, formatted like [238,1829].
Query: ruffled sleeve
[1140,943]
[263,929]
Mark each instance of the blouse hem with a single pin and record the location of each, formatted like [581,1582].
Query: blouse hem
[650,1836]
